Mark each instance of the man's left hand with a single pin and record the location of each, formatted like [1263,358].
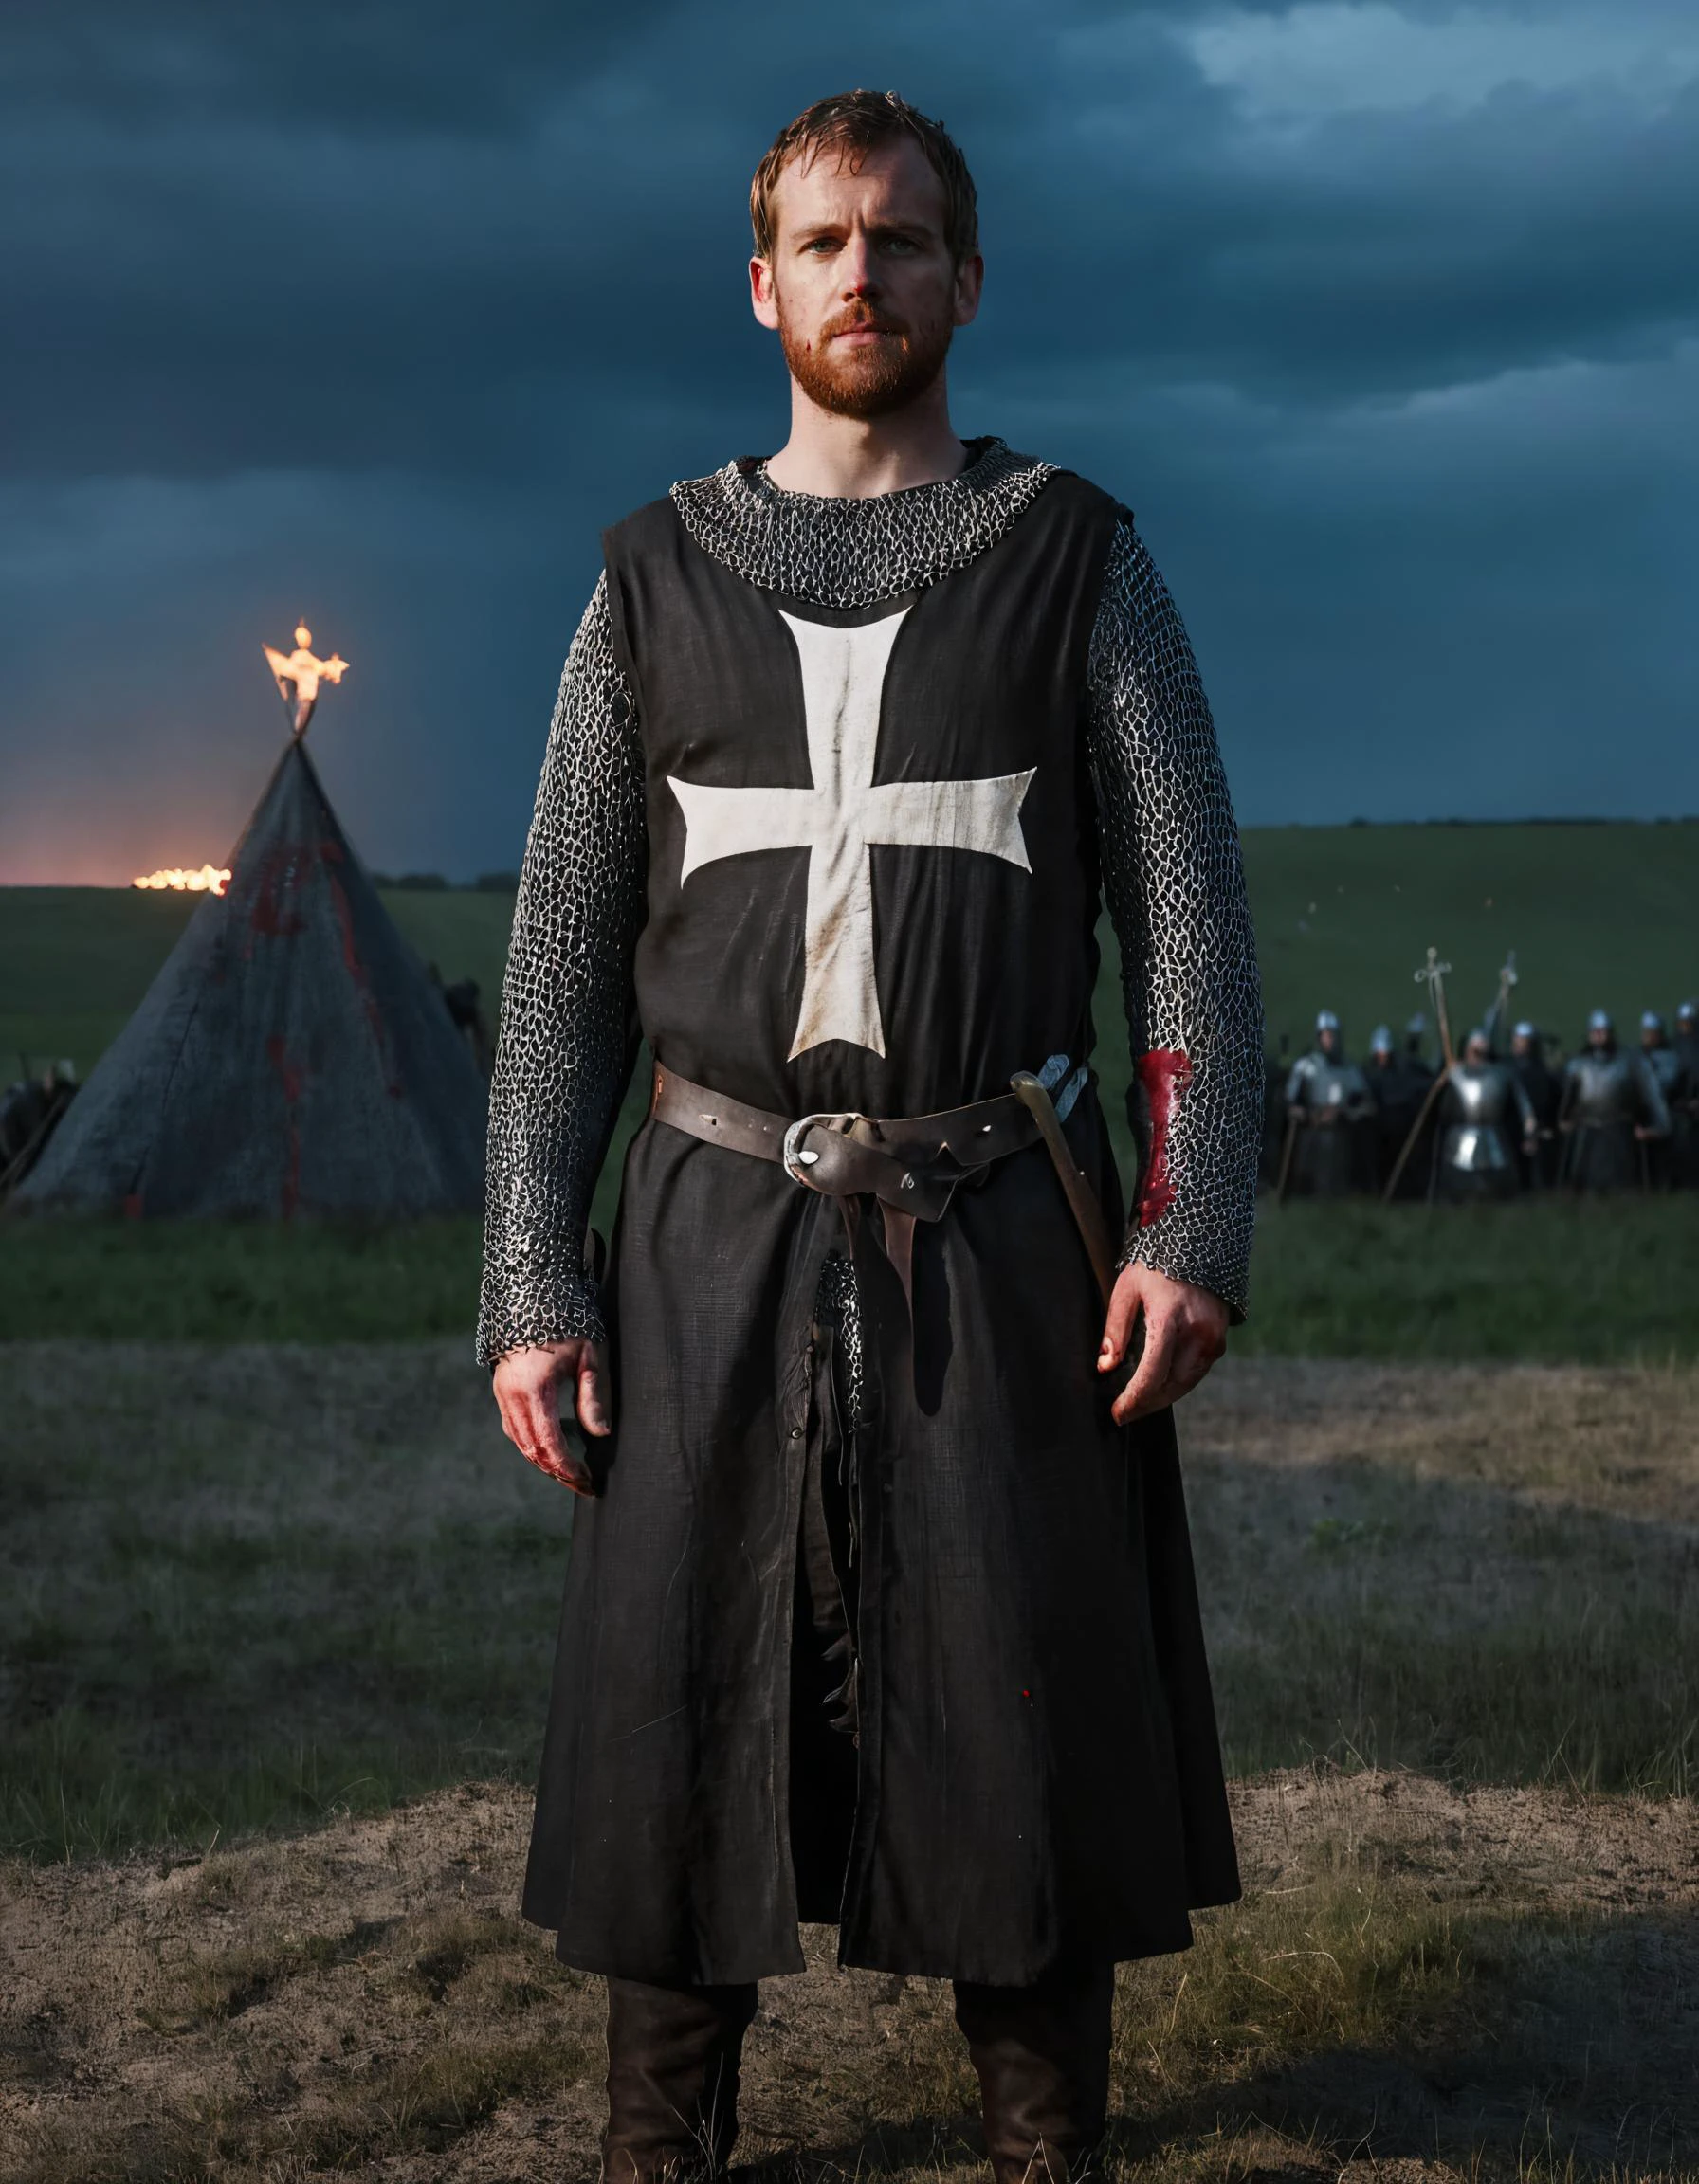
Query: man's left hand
[1185,1331]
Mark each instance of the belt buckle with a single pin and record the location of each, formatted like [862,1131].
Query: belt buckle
[796,1162]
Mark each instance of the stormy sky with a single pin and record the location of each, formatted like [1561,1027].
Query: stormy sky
[1383,316]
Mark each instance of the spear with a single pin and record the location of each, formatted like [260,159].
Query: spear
[1432,976]
[1508,978]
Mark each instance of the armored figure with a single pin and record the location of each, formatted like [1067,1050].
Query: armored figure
[1398,1085]
[1544,1091]
[1330,1113]
[30,1111]
[1661,1058]
[1482,1110]
[1684,1111]
[1612,1108]
[1665,1065]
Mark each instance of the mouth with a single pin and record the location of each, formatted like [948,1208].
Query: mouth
[865,330]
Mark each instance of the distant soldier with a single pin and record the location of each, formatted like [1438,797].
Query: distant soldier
[30,1111]
[1684,1110]
[465,1006]
[1485,1116]
[1543,1090]
[1416,1048]
[1661,1058]
[1331,1114]
[1612,1108]
[1397,1089]
[1687,1038]
[1665,1065]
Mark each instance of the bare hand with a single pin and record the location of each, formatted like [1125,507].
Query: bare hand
[1185,1331]
[529,1385]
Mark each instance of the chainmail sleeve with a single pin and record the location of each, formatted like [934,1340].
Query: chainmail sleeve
[1175,891]
[567,1040]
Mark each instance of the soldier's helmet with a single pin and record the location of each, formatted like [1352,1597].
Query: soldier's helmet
[1600,1023]
[1687,1016]
[1653,1033]
[1380,1044]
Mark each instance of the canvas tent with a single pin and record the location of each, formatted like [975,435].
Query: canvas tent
[293,1055]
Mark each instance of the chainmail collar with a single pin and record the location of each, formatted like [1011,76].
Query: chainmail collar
[849,553]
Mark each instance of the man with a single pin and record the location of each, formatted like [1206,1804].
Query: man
[1483,1116]
[30,1111]
[881,1607]
[1543,1090]
[1611,1111]
[1664,1063]
[1397,1089]
[1329,1108]
[1685,1115]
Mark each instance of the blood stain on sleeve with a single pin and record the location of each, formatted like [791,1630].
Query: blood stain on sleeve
[1164,1074]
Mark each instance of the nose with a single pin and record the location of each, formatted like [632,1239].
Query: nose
[858,268]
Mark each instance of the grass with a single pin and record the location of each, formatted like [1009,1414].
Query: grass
[249,1588]
[238,1281]
[76,960]
[1549,1279]
[243,1588]
[1600,915]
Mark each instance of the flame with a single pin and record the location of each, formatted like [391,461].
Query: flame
[209,880]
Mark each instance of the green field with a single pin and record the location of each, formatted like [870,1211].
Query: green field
[1549,1281]
[1600,915]
[74,961]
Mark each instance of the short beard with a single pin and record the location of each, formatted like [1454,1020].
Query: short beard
[866,381]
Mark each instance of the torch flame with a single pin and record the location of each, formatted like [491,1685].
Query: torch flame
[209,880]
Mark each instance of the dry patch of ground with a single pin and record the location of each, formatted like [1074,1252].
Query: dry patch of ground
[1616,1439]
[1483,1982]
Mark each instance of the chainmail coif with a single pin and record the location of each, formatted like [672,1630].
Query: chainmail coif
[1168,845]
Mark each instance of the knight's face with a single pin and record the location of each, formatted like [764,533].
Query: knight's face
[1476,1051]
[1521,1045]
[861,287]
[1599,1035]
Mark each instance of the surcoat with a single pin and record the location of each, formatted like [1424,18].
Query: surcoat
[854,814]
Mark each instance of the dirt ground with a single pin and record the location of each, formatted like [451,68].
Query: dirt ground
[361,2001]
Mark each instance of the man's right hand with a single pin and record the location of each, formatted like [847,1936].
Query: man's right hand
[529,1386]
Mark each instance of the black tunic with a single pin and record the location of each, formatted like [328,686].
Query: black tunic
[1037,1771]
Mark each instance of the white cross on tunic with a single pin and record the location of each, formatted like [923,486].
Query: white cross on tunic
[839,819]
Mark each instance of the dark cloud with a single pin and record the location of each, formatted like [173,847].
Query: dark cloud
[394,305]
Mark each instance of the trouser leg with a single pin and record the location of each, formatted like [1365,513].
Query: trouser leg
[673,2055]
[1042,2055]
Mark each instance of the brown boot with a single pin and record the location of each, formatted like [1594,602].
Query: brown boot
[1042,2053]
[672,2080]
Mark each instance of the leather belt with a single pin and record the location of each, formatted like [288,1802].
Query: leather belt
[912,1166]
